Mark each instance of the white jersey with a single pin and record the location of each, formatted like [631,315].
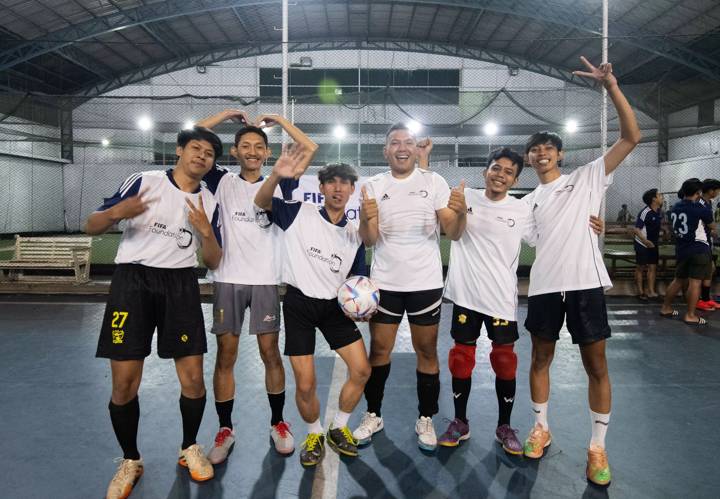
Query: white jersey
[568,257]
[249,236]
[317,255]
[483,263]
[161,236]
[407,253]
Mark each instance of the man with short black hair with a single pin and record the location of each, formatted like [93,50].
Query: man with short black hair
[647,237]
[166,216]
[321,249]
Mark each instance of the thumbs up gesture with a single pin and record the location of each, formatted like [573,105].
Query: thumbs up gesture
[457,199]
[368,206]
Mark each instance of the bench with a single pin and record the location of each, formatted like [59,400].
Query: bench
[663,269]
[49,253]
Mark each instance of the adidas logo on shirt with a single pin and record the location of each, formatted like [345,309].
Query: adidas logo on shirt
[469,210]
[385,196]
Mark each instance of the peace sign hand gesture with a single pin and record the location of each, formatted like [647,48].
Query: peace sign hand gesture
[197,217]
[602,74]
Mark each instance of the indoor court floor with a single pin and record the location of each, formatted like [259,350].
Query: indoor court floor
[58,441]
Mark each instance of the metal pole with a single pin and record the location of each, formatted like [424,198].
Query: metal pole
[284,63]
[603,111]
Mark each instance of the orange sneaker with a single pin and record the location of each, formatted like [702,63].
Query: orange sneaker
[598,469]
[126,476]
[193,458]
[537,440]
[705,306]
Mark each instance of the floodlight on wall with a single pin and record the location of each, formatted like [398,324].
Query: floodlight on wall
[105,142]
[513,70]
[571,126]
[304,63]
[188,125]
[339,132]
[144,123]
[414,126]
[490,128]
[201,69]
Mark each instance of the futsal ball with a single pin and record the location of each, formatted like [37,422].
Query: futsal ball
[358,297]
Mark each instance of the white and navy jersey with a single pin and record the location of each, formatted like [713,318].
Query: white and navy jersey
[162,236]
[689,220]
[483,263]
[317,255]
[648,222]
[709,206]
[407,253]
[249,236]
[567,257]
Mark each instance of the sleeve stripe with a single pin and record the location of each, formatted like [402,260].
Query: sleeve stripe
[128,183]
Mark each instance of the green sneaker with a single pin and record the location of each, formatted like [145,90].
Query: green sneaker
[342,441]
[598,469]
[313,449]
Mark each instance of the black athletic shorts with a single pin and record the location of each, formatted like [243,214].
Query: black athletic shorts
[584,311]
[697,266]
[466,325]
[303,314]
[422,307]
[144,298]
[646,256]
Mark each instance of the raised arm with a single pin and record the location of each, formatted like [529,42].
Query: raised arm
[454,218]
[629,130]
[235,115]
[369,229]
[424,148]
[298,136]
[100,222]
[287,166]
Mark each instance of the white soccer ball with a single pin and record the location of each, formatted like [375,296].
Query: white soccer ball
[358,297]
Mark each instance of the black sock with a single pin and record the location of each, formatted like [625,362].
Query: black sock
[277,402]
[192,413]
[461,393]
[224,412]
[375,388]
[505,390]
[125,420]
[705,293]
[428,389]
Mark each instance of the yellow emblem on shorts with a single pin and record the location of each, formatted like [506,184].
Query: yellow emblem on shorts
[117,336]
[462,318]
[184,338]
[219,314]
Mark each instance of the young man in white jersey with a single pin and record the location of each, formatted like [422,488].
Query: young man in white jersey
[401,212]
[248,275]
[568,277]
[166,217]
[321,249]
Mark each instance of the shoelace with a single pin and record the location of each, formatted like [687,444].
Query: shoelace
[124,470]
[598,458]
[283,429]
[535,435]
[348,435]
[221,436]
[311,441]
[365,421]
[193,453]
[425,425]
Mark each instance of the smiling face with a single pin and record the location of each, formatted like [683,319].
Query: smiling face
[400,151]
[544,157]
[337,192]
[196,158]
[500,176]
[250,151]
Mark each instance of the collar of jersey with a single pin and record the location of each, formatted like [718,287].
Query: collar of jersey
[260,179]
[172,181]
[341,223]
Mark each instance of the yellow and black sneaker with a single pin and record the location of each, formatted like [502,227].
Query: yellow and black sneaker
[342,441]
[312,449]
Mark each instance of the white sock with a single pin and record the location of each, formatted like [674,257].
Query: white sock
[540,411]
[341,419]
[599,428]
[315,427]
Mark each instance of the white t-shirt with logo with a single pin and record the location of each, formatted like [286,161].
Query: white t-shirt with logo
[161,236]
[406,256]
[568,257]
[483,263]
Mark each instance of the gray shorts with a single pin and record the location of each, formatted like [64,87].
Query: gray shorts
[231,300]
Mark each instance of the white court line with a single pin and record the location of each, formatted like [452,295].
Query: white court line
[326,475]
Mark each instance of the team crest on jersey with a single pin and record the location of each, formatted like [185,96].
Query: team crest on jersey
[422,193]
[462,318]
[117,336]
[509,221]
[262,219]
[335,263]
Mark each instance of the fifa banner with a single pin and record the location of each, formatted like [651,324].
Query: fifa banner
[309,192]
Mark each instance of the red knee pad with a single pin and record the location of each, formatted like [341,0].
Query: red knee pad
[503,361]
[461,360]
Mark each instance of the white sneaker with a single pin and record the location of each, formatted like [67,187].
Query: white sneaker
[194,459]
[126,476]
[224,441]
[282,438]
[369,425]
[425,430]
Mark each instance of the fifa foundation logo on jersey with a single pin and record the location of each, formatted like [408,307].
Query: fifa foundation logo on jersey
[334,261]
[423,193]
[183,237]
[262,219]
[567,188]
[509,221]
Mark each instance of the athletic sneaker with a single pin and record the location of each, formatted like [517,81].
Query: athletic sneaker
[425,430]
[282,438]
[193,458]
[126,476]
[704,305]
[370,424]
[342,441]
[598,469]
[714,304]
[312,449]
[456,432]
[224,441]
[507,436]
[536,442]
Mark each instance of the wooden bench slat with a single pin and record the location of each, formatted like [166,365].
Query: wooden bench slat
[71,253]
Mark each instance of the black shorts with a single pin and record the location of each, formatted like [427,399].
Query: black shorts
[303,314]
[466,325]
[584,310]
[422,307]
[144,298]
[646,256]
[697,266]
